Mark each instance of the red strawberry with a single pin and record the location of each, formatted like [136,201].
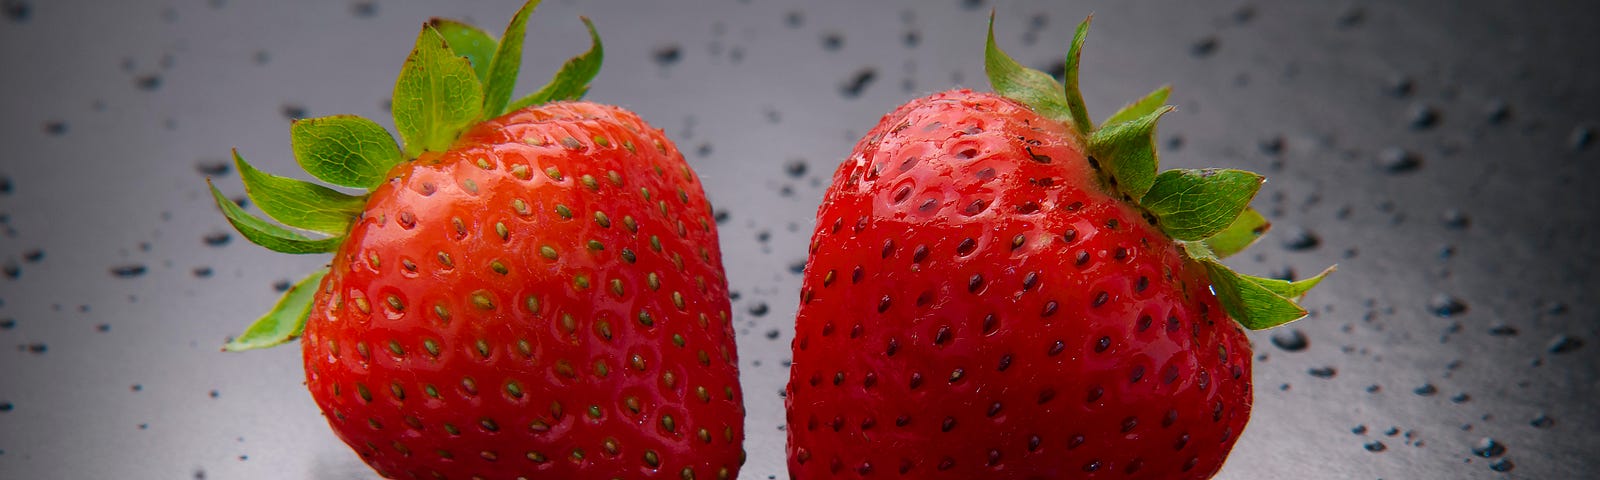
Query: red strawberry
[998,290]
[537,294]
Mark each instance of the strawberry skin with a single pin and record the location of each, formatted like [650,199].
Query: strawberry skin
[544,298]
[976,307]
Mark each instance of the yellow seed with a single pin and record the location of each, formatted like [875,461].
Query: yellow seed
[482,300]
[588,181]
[361,304]
[581,282]
[501,230]
[372,259]
[653,281]
[469,185]
[563,211]
[627,221]
[602,219]
[431,346]
[514,389]
[616,287]
[498,267]
[394,303]
[548,252]
[483,163]
[483,348]
[531,140]
[444,259]
[677,300]
[519,206]
[571,143]
[601,141]
[616,178]
[442,312]
[554,173]
[596,245]
[520,171]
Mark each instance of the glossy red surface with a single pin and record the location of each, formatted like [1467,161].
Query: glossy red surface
[547,298]
[977,306]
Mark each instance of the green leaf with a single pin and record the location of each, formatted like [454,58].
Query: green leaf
[1196,204]
[1080,112]
[286,320]
[468,41]
[265,234]
[436,97]
[1288,289]
[297,203]
[1127,151]
[1140,107]
[572,81]
[1247,301]
[507,60]
[1031,87]
[1239,235]
[344,150]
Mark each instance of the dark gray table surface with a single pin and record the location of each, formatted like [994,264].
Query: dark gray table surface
[1464,308]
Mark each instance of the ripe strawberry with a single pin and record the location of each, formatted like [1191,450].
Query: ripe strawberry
[537,294]
[999,290]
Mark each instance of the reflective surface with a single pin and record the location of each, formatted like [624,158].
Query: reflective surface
[1437,155]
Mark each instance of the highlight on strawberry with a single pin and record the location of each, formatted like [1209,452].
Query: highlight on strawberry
[528,288]
[1001,288]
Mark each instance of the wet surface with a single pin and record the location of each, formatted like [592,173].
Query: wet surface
[1436,155]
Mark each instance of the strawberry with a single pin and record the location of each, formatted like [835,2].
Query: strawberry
[529,289]
[997,289]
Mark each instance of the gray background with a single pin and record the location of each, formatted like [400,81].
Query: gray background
[112,110]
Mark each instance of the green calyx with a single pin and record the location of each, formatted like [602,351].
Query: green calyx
[1206,211]
[456,76]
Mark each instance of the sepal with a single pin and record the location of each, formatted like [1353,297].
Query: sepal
[285,321]
[298,203]
[572,81]
[265,234]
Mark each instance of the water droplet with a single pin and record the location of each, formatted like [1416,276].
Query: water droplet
[759,309]
[1376,446]
[1291,340]
[1426,390]
[1323,372]
[1300,239]
[17,10]
[1423,117]
[1580,139]
[148,83]
[55,128]
[1498,112]
[667,55]
[364,9]
[1352,17]
[128,271]
[1542,421]
[795,167]
[1204,47]
[293,112]
[1445,305]
[1503,330]
[858,82]
[217,239]
[1501,465]
[832,41]
[1488,448]
[213,167]
[1398,160]
[1455,219]
[1563,343]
